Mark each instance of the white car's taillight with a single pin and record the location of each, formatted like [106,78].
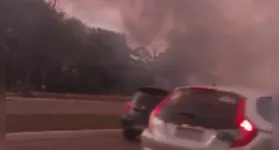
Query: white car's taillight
[246,127]
[152,118]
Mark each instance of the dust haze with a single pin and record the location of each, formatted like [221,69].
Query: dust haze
[234,41]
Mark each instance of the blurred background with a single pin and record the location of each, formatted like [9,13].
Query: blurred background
[115,46]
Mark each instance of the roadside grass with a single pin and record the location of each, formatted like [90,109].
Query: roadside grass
[38,122]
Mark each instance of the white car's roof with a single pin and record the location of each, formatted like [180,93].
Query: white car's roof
[248,93]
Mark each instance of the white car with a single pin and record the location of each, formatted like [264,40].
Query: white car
[198,117]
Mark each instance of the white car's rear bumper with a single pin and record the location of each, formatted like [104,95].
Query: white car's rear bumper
[149,142]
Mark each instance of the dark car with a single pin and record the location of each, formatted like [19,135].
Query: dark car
[137,111]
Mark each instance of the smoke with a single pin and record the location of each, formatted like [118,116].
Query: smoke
[234,42]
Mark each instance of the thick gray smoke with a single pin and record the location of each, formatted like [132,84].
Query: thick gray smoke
[236,41]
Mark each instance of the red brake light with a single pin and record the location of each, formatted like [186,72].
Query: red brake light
[158,108]
[127,107]
[156,111]
[247,128]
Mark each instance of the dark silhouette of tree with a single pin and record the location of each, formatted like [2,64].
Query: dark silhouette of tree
[50,52]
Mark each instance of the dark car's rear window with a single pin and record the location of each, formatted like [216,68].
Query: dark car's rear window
[211,108]
[148,97]
[264,108]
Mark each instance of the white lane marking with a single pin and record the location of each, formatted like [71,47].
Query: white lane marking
[50,135]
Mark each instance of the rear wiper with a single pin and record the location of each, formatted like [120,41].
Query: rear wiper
[192,118]
[188,115]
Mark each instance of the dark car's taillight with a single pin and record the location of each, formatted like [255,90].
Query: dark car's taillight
[127,107]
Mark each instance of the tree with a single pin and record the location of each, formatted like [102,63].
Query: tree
[64,55]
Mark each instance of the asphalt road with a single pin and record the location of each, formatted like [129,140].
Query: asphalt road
[56,106]
[71,140]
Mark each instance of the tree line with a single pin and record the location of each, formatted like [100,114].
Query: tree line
[49,51]
[52,52]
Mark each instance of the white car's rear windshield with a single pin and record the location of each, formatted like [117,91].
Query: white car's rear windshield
[214,109]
